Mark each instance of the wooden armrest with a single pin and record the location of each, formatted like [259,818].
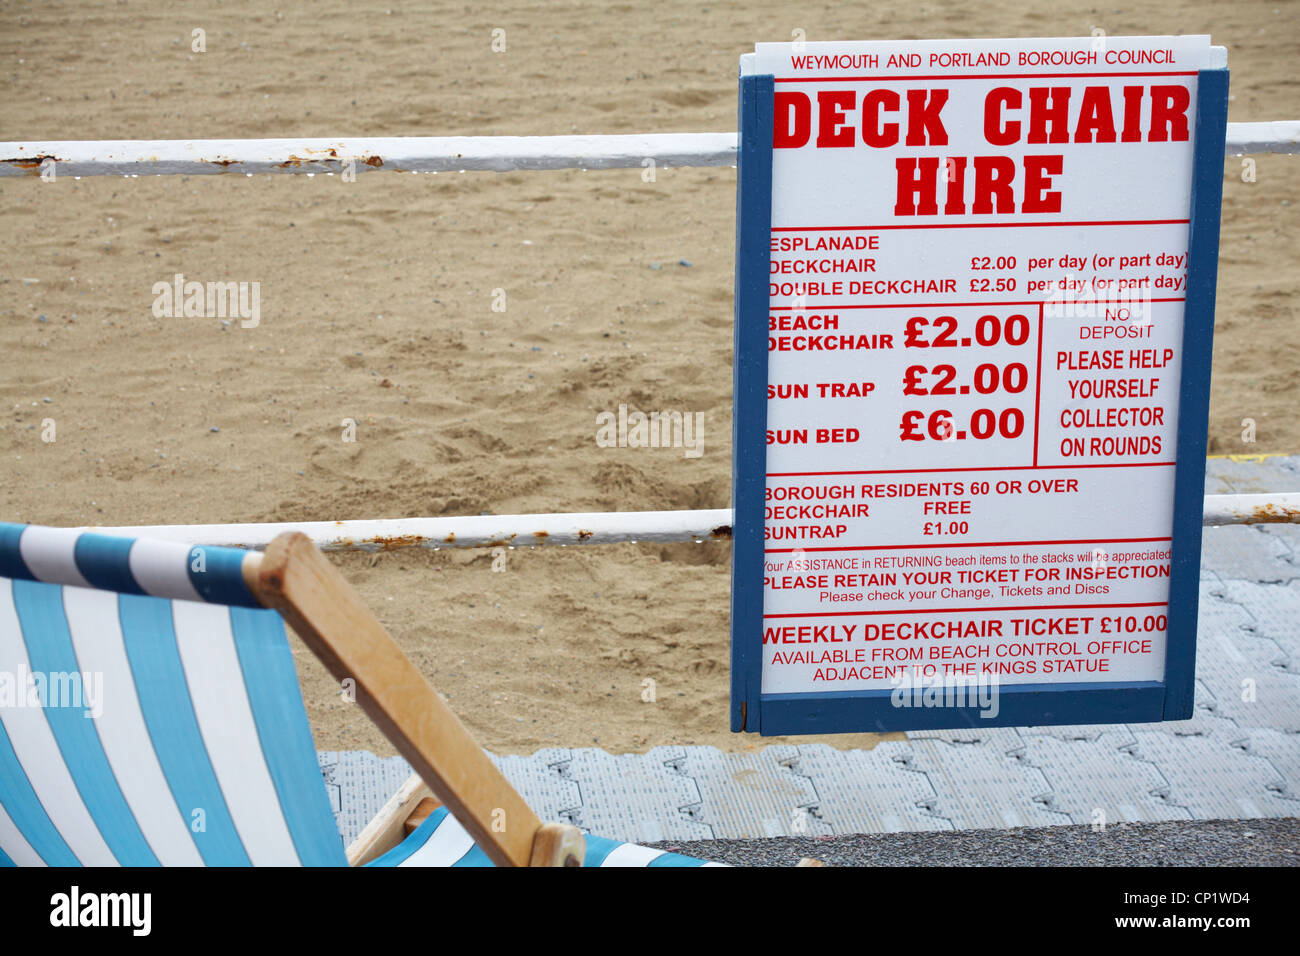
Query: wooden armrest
[388,828]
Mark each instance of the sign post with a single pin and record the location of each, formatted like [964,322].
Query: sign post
[975,287]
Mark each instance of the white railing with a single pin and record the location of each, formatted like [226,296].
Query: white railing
[490,531]
[442,154]
[498,154]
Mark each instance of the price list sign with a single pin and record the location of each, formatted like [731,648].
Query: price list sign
[974,307]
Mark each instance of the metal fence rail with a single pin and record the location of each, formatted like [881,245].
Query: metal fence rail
[440,154]
[488,531]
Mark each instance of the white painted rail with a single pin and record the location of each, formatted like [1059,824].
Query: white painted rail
[439,154]
[487,531]
[1281,508]
[482,531]
[1282,136]
[432,154]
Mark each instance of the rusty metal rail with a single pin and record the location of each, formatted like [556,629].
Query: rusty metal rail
[488,531]
[1278,508]
[441,154]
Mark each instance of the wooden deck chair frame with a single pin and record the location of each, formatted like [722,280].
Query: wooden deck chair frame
[296,579]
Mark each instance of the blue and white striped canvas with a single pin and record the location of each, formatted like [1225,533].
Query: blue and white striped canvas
[149,711]
[441,841]
[150,714]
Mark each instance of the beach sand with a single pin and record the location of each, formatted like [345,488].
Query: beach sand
[376,306]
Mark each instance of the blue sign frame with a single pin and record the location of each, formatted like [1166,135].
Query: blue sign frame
[1019,704]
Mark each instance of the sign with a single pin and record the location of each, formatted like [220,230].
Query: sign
[974,306]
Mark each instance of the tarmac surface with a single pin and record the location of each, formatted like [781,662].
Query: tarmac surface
[1183,843]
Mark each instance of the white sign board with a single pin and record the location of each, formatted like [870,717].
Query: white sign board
[977,257]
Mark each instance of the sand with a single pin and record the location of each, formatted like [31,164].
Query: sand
[376,303]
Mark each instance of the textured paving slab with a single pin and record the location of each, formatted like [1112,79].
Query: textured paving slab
[1289,535]
[1119,733]
[1284,759]
[1210,780]
[978,787]
[552,792]
[752,793]
[637,795]
[869,791]
[1100,782]
[1252,474]
[1237,757]
[1249,692]
[1244,552]
[359,784]
[1273,609]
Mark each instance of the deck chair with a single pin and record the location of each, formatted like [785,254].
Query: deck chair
[150,713]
